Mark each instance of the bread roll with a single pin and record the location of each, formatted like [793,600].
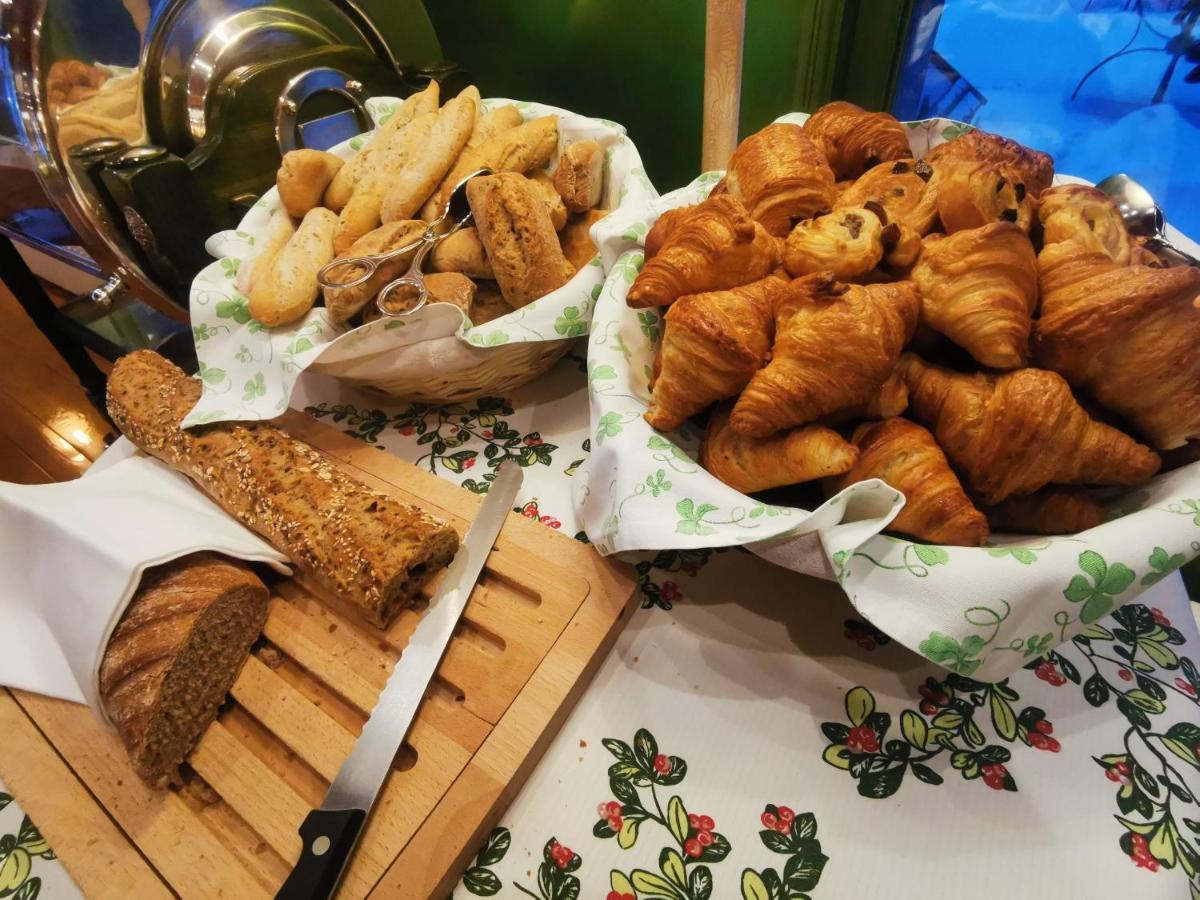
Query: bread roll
[347,178]
[360,547]
[303,177]
[451,287]
[488,304]
[579,177]
[411,185]
[175,654]
[515,230]
[343,303]
[487,126]
[462,252]
[278,232]
[549,194]
[288,287]
[576,238]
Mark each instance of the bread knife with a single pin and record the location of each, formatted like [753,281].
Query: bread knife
[331,832]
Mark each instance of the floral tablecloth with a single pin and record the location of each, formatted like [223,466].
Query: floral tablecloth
[739,742]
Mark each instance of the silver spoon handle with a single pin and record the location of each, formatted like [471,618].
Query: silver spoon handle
[1171,253]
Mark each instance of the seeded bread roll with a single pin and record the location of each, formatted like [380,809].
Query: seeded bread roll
[360,547]
[515,230]
[580,175]
[175,654]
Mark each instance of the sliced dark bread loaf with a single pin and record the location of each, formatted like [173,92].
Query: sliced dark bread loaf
[360,546]
[175,654]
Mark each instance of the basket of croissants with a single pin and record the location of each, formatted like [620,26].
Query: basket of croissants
[908,357]
[508,294]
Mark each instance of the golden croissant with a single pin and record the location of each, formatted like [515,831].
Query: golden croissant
[1088,216]
[781,177]
[979,288]
[759,464]
[1033,168]
[854,140]
[889,401]
[972,194]
[662,228]
[902,187]
[712,345]
[835,345]
[905,455]
[714,247]
[1047,512]
[846,243]
[1014,433]
[1129,336]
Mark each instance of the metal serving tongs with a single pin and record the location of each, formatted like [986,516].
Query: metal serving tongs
[408,293]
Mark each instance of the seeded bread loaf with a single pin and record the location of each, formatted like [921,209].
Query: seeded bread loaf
[175,654]
[359,546]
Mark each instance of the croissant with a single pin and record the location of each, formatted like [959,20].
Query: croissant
[1127,335]
[847,242]
[972,194]
[758,464]
[1047,512]
[890,400]
[1016,432]
[662,228]
[780,176]
[905,455]
[835,345]
[902,247]
[713,344]
[1086,215]
[1033,168]
[716,246]
[903,188]
[854,140]
[979,288]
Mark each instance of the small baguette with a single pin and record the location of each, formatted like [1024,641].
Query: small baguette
[550,196]
[462,252]
[278,232]
[358,546]
[288,288]
[342,187]
[174,656]
[303,177]
[343,303]
[425,169]
[487,126]
[580,175]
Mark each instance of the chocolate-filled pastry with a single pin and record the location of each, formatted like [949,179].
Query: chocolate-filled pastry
[979,288]
[905,455]
[835,345]
[1033,168]
[1088,216]
[846,243]
[1014,433]
[759,464]
[854,140]
[781,177]
[516,232]
[1129,336]
[973,194]
[902,187]
[713,246]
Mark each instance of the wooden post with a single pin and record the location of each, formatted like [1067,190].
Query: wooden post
[724,33]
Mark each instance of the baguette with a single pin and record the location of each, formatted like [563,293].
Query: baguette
[343,303]
[515,230]
[303,177]
[428,165]
[174,656]
[342,187]
[580,175]
[487,126]
[359,547]
[288,288]
[278,232]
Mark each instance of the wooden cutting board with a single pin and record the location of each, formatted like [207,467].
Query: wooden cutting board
[545,612]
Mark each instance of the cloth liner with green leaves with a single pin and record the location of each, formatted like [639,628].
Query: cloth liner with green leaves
[983,612]
[249,371]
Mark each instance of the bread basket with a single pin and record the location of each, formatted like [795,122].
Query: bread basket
[982,612]
[435,356]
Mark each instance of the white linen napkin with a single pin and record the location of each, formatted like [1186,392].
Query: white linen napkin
[72,554]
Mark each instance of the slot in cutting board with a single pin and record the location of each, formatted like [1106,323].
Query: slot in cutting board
[541,619]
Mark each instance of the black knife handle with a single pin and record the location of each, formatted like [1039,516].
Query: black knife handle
[329,836]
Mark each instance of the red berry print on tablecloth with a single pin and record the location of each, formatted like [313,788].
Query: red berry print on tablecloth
[1124,674]
[805,861]
[555,880]
[1047,672]
[636,776]
[664,594]
[864,634]
[1159,617]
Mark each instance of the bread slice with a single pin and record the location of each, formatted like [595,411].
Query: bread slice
[175,654]
[356,545]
